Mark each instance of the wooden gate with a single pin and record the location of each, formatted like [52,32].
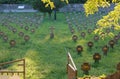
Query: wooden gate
[5,74]
[71,68]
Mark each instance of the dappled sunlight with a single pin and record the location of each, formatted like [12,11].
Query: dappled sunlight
[82,41]
[34,67]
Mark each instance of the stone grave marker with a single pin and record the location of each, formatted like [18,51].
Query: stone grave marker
[21,34]
[83,34]
[105,50]
[96,38]
[26,38]
[5,38]
[85,67]
[51,32]
[111,43]
[12,43]
[96,57]
[74,38]
[79,49]
[90,44]
[26,28]
[32,30]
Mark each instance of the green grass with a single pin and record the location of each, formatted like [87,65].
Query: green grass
[46,58]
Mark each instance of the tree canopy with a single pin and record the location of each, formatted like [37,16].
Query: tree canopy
[13,1]
[112,19]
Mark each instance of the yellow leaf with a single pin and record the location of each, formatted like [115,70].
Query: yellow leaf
[46,5]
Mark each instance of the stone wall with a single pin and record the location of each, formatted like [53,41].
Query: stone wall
[15,8]
[79,7]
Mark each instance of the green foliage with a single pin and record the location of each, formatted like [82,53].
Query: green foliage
[39,5]
[13,1]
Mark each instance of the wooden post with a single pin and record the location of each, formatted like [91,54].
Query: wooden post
[24,68]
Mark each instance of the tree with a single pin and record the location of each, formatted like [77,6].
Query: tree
[13,1]
[39,5]
[54,5]
[112,19]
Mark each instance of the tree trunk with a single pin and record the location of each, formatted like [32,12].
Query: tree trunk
[49,14]
[55,17]
[44,14]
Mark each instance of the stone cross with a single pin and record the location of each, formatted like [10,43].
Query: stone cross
[51,32]
[51,29]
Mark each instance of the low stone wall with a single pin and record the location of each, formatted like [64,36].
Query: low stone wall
[15,8]
[79,7]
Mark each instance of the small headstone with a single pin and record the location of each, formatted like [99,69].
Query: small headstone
[74,38]
[14,30]
[90,44]
[83,34]
[79,49]
[96,38]
[111,43]
[105,49]
[12,43]
[96,57]
[72,31]
[89,31]
[116,38]
[26,38]
[26,28]
[21,34]
[85,67]
[32,30]
[5,38]
[1,34]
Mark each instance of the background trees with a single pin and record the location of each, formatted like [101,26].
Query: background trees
[13,1]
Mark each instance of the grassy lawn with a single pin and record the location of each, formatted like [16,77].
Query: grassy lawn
[46,58]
